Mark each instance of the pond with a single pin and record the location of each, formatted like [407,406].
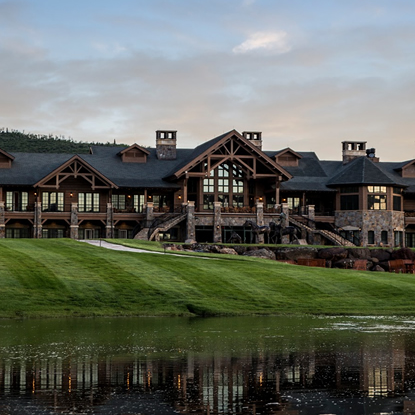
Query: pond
[238,365]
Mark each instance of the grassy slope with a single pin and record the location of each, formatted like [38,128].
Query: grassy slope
[65,277]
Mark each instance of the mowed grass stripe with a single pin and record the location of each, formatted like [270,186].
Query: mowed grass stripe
[65,278]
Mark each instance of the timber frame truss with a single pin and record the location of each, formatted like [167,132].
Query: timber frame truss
[76,168]
[234,148]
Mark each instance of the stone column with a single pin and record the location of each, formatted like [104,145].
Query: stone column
[285,221]
[217,229]
[260,220]
[2,221]
[37,224]
[311,216]
[149,213]
[74,221]
[190,223]
[109,229]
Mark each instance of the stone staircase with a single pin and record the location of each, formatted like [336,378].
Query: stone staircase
[331,236]
[164,226]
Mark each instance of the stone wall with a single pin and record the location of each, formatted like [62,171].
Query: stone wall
[335,257]
[372,220]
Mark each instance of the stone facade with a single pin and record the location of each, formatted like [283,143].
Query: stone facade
[372,220]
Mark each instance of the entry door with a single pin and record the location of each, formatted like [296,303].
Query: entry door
[89,234]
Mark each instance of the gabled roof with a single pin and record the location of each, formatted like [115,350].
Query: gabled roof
[68,163]
[362,171]
[210,146]
[288,150]
[134,146]
[6,154]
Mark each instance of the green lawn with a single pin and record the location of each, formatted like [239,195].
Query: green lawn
[61,277]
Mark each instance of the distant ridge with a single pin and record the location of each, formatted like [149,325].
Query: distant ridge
[17,141]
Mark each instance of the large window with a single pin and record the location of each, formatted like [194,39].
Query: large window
[118,202]
[349,202]
[17,201]
[376,199]
[376,202]
[52,201]
[397,203]
[225,185]
[88,202]
[138,201]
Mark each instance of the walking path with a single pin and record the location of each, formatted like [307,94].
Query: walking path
[116,247]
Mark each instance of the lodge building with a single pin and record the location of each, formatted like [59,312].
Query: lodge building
[207,193]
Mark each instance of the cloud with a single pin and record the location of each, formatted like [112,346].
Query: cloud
[268,41]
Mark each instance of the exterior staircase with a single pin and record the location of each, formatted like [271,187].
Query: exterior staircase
[331,236]
[164,225]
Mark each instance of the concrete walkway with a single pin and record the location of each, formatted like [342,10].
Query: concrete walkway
[116,247]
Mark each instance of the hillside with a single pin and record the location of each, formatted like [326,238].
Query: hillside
[62,277]
[16,141]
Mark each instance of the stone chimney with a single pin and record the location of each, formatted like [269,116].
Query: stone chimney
[255,137]
[352,150]
[166,144]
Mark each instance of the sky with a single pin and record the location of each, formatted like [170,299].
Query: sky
[308,74]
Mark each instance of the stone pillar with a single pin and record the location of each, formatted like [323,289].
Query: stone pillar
[260,220]
[74,221]
[285,221]
[149,213]
[311,216]
[109,229]
[217,229]
[2,221]
[37,223]
[190,223]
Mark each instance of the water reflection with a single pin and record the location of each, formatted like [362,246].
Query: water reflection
[267,365]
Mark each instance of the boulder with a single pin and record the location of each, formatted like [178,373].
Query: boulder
[240,250]
[378,268]
[228,251]
[296,253]
[359,253]
[381,254]
[261,253]
[403,253]
[333,254]
[374,260]
[345,263]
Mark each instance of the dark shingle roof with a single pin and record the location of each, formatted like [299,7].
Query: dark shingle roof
[362,171]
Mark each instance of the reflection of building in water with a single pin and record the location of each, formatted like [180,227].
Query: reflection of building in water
[224,385]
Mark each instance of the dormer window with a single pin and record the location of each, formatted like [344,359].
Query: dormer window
[134,154]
